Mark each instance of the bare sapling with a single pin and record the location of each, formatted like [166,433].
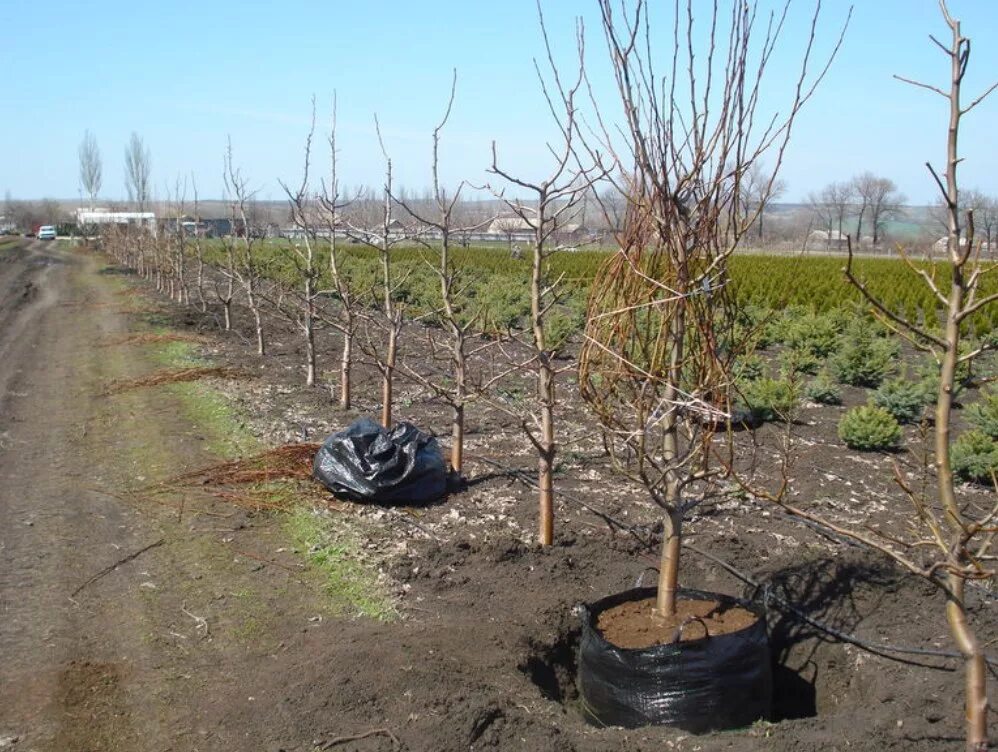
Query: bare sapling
[457,389]
[178,289]
[345,319]
[383,237]
[225,286]
[657,361]
[199,263]
[244,247]
[552,202]
[303,207]
[950,538]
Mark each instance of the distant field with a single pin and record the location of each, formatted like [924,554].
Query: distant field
[494,281]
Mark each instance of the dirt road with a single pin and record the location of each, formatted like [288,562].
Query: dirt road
[110,667]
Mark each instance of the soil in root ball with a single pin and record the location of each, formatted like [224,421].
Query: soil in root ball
[635,625]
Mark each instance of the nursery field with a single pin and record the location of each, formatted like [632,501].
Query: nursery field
[153,601]
[496,284]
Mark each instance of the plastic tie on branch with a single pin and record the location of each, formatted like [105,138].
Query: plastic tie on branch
[369,463]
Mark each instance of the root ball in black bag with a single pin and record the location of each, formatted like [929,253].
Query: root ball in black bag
[367,462]
[709,684]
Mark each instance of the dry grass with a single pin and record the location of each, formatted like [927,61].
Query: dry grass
[275,479]
[287,462]
[149,338]
[174,376]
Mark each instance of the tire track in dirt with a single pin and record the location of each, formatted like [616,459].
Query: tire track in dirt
[124,665]
[71,669]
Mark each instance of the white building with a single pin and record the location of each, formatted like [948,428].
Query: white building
[86,218]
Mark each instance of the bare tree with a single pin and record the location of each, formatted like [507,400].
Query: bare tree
[91,167]
[138,168]
[552,200]
[302,209]
[242,249]
[177,244]
[823,212]
[456,390]
[758,190]
[881,198]
[333,204]
[985,210]
[949,541]
[656,364]
[839,198]
[198,248]
[382,236]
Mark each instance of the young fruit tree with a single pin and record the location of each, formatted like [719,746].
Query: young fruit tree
[302,205]
[333,203]
[455,386]
[552,202]
[656,364]
[243,258]
[382,235]
[950,538]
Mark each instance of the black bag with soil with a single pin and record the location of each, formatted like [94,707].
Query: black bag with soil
[706,684]
[367,462]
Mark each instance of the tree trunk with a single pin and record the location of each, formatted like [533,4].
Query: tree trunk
[545,465]
[200,284]
[261,345]
[309,330]
[976,668]
[668,578]
[457,439]
[545,391]
[346,359]
[388,375]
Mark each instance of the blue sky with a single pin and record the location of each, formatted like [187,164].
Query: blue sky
[185,75]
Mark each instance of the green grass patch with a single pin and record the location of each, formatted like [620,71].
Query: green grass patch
[178,354]
[334,551]
[225,430]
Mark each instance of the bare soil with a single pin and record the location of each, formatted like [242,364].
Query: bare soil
[636,624]
[220,638]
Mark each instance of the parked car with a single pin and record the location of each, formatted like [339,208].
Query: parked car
[46,232]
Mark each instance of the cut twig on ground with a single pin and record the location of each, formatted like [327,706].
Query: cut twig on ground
[107,570]
[149,338]
[174,376]
[248,482]
[286,462]
[330,743]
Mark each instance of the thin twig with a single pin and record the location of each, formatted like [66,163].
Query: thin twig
[107,570]
[329,744]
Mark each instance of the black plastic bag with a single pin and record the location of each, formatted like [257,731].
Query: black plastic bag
[367,462]
[714,683]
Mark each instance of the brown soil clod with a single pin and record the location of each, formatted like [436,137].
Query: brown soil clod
[174,376]
[636,625]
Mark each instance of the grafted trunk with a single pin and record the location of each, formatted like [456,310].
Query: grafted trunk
[346,360]
[457,439]
[388,376]
[668,581]
[546,457]
[975,667]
